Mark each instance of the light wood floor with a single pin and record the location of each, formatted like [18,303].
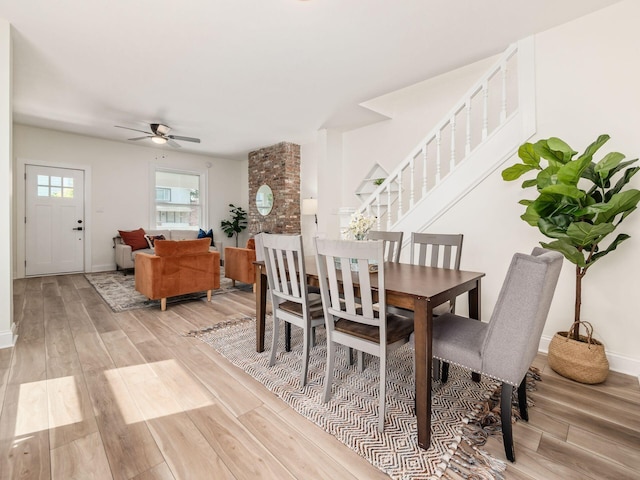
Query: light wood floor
[87,393]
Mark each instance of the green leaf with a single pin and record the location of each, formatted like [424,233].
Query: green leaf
[584,234]
[561,146]
[567,190]
[531,216]
[525,202]
[529,183]
[528,155]
[554,227]
[592,209]
[515,171]
[541,148]
[610,161]
[628,173]
[618,240]
[595,146]
[620,203]
[571,172]
[547,177]
[570,252]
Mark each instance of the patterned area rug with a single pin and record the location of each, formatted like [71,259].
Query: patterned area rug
[351,414]
[119,291]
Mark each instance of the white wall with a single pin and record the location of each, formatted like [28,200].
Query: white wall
[120,193]
[6,265]
[587,78]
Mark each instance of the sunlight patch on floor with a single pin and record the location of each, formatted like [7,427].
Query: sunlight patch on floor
[47,404]
[155,390]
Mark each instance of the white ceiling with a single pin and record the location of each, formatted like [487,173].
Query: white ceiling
[243,74]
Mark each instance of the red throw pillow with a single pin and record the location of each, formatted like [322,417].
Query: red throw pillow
[134,238]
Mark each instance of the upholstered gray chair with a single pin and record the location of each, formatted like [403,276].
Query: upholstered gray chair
[505,347]
[290,297]
[350,317]
[391,241]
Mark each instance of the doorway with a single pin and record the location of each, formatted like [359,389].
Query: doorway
[54,220]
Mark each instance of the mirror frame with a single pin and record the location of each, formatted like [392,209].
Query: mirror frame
[264,200]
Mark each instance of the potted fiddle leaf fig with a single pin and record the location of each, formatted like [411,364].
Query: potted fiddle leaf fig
[236,224]
[579,203]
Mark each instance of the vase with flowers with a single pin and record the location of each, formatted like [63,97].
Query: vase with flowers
[359,226]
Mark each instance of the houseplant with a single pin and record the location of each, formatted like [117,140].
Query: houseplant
[578,204]
[237,223]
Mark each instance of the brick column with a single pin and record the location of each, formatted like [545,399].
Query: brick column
[279,167]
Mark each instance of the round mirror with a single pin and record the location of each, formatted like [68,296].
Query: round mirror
[264,200]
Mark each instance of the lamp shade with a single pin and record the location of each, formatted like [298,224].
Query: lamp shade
[309,206]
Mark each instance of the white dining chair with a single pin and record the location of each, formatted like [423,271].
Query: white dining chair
[290,297]
[347,298]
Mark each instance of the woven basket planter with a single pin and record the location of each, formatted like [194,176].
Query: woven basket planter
[584,361]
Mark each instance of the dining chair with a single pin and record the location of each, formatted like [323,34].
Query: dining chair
[290,297]
[437,250]
[391,241]
[504,347]
[346,286]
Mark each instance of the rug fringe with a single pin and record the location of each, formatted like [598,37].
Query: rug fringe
[217,326]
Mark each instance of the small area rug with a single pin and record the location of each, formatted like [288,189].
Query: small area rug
[351,414]
[119,290]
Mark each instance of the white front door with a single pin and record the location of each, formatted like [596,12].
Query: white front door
[55,220]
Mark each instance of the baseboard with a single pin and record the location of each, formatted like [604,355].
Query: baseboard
[617,363]
[102,268]
[7,339]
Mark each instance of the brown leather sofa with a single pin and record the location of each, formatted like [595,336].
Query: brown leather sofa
[177,268]
[238,263]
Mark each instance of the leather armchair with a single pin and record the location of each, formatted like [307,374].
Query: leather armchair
[238,263]
[177,268]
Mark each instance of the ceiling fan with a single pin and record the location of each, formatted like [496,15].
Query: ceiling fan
[160,134]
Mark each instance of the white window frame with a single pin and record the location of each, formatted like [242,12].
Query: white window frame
[203,195]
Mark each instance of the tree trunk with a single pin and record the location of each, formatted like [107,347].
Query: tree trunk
[576,317]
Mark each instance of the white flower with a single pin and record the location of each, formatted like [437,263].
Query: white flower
[359,225]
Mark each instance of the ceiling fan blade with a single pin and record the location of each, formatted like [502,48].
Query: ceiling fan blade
[139,138]
[173,144]
[184,139]
[134,129]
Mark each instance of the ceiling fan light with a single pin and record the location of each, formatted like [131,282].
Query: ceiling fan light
[158,139]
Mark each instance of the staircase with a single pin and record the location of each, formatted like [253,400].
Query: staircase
[482,131]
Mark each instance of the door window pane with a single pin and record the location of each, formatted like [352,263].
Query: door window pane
[43,191]
[56,181]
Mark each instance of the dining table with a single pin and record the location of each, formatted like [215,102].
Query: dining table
[413,287]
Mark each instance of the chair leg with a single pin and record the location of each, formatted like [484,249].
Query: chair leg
[305,354]
[435,369]
[383,390]
[444,375]
[331,353]
[505,418]
[287,337]
[360,361]
[274,340]
[522,399]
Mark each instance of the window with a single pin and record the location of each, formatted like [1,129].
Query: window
[53,186]
[179,199]
[163,194]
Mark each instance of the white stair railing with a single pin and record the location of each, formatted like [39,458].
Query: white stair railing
[496,98]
